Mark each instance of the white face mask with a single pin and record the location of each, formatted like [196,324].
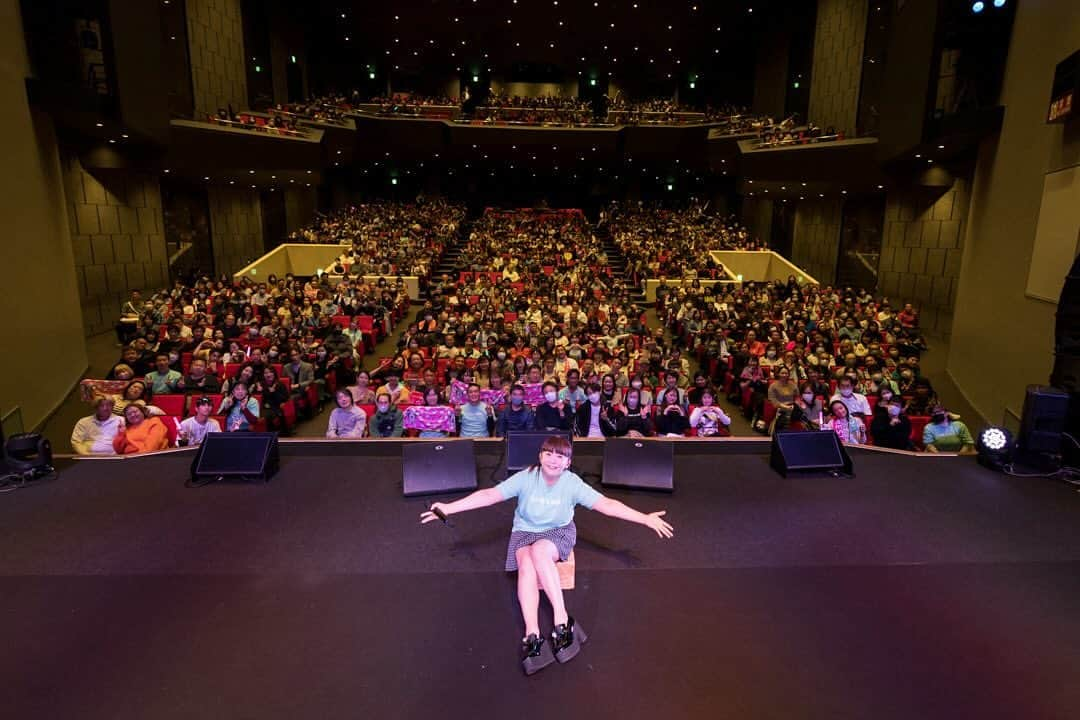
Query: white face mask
[551,396]
[594,398]
[846,392]
[808,397]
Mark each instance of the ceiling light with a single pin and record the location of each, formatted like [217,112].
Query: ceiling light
[100,124]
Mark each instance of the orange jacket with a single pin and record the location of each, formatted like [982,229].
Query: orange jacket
[149,435]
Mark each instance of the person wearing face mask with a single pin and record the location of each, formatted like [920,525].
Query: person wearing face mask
[516,416]
[890,427]
[807,408]
[637,382]
[387,421]
[593,417]
[553,414]
[943,434]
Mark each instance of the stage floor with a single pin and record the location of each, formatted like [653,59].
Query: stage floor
[921,588]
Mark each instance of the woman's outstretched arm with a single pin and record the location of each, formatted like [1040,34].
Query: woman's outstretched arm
[478,499]
[654,520]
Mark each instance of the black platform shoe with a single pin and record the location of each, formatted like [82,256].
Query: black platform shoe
[567,640]
[537,654]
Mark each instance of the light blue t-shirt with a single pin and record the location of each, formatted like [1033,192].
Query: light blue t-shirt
[474,420]
[545,507]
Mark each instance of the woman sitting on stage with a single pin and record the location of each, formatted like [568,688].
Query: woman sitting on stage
[544,533]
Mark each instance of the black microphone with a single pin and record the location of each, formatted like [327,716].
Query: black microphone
[441,515]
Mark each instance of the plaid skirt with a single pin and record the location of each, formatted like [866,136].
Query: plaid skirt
[562,537]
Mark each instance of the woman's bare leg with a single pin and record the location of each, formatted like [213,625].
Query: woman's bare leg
[544,555]
[528,591]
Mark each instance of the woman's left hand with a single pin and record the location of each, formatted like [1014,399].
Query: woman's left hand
[657,524]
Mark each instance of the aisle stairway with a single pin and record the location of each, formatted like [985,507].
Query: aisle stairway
[449,264]
[619,266]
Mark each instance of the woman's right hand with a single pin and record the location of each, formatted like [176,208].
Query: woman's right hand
[429,515]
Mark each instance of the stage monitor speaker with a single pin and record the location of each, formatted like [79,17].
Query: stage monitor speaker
[445,466]
[236,455]
[1043,420]
[813,451]
[523,447]
[639,464]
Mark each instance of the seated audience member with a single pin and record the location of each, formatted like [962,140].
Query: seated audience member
[923,398]
[638,383]
[847,426]
[300,373]
[475,417]
[782,394]
[807,408]
[399,394]
[193,430]
[347,420]
[595,418]
[856,403]
[636,419]
[609,391]
[141,432]
[241,410]
[708,419]
[361,391]
[387,420]
[516,416]
[246,375]
[573,394]
[136,391]
[671,380]
[890,427]
[553,413]
[671,418]
[701,384]
[198,380]
[163,380]
[274,396]
[94,435]
[942,434]
[430,393]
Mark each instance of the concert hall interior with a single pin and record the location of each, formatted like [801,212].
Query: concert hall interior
[783,296]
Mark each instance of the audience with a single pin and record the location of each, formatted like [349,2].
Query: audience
[533,317]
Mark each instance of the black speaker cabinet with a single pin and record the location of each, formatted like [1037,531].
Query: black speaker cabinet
[236,455]
[523,448]
[444,466]
[639,464]
[1043,420]
[814,451]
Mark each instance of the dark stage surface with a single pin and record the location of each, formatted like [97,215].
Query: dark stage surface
[922,588]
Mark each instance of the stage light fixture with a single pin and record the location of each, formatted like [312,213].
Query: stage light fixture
[995,446]
[999,3]
[977,6]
